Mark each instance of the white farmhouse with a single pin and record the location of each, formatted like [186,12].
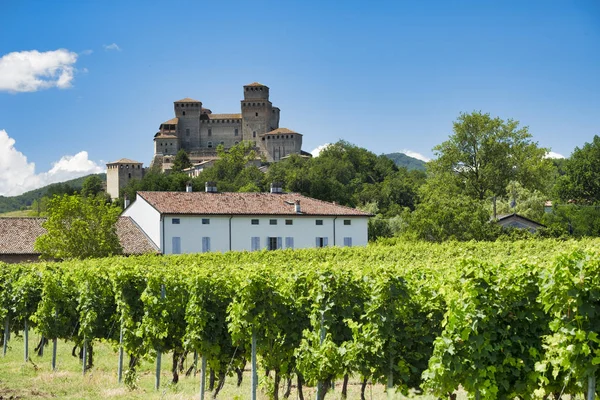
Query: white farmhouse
[186,222]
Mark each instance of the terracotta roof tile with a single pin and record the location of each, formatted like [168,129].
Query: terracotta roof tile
[280,131]
[187,100]
[132,238]
[18,235]
[256,84]
[203,203]
[172,121]
[165,136]
[124,161]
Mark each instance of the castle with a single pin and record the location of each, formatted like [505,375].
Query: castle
[198,131]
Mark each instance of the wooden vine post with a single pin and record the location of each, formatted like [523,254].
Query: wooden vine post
[254,371]
[158,351]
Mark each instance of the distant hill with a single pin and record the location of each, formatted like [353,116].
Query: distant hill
[402,160]
[25,200]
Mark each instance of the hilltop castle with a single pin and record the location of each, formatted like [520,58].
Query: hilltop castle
[198,131]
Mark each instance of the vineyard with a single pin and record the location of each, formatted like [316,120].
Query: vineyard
[500,320]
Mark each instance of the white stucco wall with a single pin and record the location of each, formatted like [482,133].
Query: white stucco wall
[147,218]
[303,230]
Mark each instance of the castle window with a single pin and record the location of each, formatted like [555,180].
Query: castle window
[129,175]
[223,143]
[209,132]
[236,132]
[263,139]
[256,114]
[236,143]
[209,145]
[253,134]
[184,113]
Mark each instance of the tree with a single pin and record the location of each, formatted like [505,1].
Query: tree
[445,213]
[484,154]
[92,186]
[79,227]
[581,181]
[181,161]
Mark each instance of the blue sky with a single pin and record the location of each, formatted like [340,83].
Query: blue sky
[388,76]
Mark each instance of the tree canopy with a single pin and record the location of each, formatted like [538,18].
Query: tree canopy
[581,182]
[484,154]
[181,161]
[79,227]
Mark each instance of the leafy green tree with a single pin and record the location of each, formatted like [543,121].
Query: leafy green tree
[446,214]
[529,204]
[484,154]
[181,161]
[79,227]
[92,186]
[581,182]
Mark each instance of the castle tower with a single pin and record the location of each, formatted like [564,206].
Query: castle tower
[187,112]
[257,112]
[119,173]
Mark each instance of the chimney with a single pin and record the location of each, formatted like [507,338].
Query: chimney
[125,202]
[297,207]
[188,187]
[210,187]
[276,187]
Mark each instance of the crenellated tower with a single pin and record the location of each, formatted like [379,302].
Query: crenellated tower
[187,112]
[257,112]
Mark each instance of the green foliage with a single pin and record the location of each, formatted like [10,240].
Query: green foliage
[26,200]
[446,214]
[181,161]
[329,312]
[570,294]
[484,154]
[79,227]
[92,186]
[581,181]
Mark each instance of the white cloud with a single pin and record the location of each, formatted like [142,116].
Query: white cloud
[552,154]
[30,71]
[18,176]
[416,155]
[317,151]
[112,46]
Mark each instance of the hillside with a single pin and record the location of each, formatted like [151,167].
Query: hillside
[25,200]
[402,160]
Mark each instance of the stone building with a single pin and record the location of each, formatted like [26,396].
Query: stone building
[198,131]
[119,173]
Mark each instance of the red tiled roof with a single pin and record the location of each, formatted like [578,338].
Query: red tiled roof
[18,235]
[204,203]
[280,131]
[172,121]
[256,84]
[124,161]
[187,100]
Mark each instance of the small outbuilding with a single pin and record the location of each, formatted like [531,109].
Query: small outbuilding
[519,222]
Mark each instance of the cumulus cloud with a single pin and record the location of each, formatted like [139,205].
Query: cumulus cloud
[552,154]
[18,176]
[416,155]
[317,151]
[112,46]
[30,71]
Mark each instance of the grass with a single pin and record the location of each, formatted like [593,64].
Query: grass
[35,379]
[16,214]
